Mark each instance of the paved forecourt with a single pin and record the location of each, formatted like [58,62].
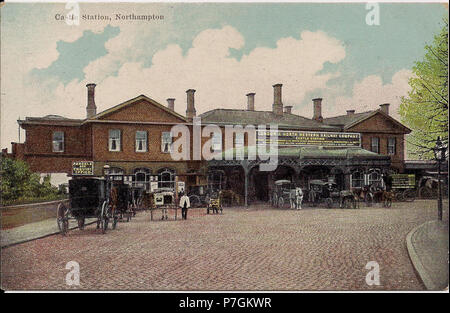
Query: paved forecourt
[255,249]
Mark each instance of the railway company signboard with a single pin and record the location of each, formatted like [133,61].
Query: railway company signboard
[308,138]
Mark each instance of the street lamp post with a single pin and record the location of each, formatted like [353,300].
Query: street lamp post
[106,169]
[439,153]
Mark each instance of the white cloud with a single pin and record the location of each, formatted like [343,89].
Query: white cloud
[220,80]
[370,92]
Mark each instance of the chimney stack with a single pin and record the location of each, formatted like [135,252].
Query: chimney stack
[91,108]
[288,109]
[317,103]
[350,112]
[251,101]
[277,106]
[190,111]
[385,108]
[171,104]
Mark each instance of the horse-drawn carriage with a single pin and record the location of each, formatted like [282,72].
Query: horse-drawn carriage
[199,195]
[93,198]
[286,192]
[163,199]
[281,193]
[328,192]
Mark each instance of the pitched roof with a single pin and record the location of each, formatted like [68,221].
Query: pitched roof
[349,120]
[343,120]
[131,102]
[246,117]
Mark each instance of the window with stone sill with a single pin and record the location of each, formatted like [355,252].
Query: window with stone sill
[239,141]
[114,140]
[141,141]
[58,141]
[166,142]
[217,142]
[391,146]
[375,144]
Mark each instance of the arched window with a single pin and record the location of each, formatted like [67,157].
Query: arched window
[142,178]
[166,178]
[357,178]
[374,177]
[116,173]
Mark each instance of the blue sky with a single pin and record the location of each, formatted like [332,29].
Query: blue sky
[394,44]
[357,65]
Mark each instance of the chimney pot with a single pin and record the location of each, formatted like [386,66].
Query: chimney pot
[251,101]
[317,106]
[190,110]
[277,106]
[385,108]
[171,104]
[91,108]
[288,109]
[350,112]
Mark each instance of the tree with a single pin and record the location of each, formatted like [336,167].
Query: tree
[425,109]
[18,182]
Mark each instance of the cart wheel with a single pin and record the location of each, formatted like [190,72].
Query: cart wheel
[409,195]
[104,225]
[399,197]
[81,223]
[66,226]
[104,217]
[62,218]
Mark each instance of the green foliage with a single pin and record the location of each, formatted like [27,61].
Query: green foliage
[19,183]
[425,110]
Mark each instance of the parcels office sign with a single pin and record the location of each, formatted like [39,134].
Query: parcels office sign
[83,168]
[304,138]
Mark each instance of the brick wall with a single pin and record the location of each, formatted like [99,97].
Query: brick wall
[39,140]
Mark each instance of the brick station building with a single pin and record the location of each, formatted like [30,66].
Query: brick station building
[134,139]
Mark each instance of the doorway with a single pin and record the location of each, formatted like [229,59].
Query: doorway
[261,185]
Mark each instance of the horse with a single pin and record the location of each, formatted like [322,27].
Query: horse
[296,198]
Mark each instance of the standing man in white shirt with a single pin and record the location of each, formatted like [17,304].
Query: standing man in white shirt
[185,204]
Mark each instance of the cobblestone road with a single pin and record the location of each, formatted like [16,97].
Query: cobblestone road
[255,249]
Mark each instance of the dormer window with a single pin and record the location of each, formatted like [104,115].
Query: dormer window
[58,141]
